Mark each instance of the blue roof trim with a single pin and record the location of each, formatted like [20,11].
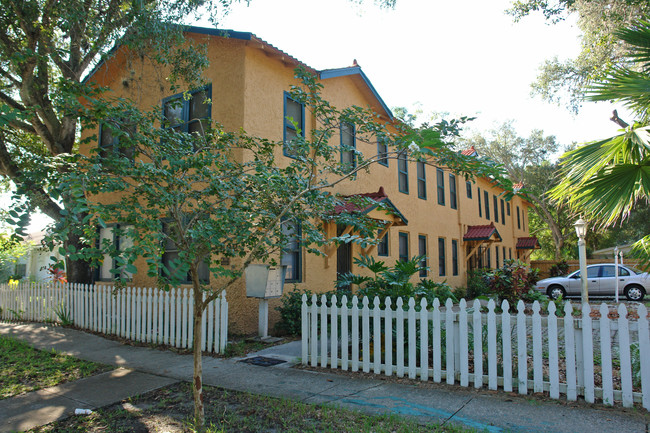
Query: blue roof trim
[356,70]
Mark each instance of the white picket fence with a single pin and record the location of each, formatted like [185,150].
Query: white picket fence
[146,315]
[602,359]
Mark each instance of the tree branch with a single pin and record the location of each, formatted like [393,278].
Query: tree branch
[620,122]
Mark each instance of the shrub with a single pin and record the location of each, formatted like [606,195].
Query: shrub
[513,281]
[478,283]
[395,282]
[559,269]
[290,312]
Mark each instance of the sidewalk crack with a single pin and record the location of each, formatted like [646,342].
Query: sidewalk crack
[342,396]
[459,409]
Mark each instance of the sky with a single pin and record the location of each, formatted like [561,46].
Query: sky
[464,57]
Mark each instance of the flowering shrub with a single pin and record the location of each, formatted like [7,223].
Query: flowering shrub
[513,281]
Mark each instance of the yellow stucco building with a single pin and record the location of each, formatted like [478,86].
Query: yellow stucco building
[458,224]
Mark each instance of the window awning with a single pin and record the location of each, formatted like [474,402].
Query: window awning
[376,205]
[529,243]
[482,233]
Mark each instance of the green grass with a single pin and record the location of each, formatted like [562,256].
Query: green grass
[24,369]
[170,409]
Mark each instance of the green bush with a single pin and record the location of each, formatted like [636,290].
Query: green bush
[395,282]
[513,281]
[478,283]
[290,312]
[559,269]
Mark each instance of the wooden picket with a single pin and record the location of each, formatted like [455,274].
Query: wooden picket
[544,349]
[147,315]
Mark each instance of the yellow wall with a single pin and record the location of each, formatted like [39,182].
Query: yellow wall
[247,92]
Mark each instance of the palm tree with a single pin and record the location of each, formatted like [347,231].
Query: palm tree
[604,180]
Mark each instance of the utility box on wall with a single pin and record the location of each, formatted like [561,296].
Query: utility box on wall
[264,282]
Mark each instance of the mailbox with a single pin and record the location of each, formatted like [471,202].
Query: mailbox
[264,281]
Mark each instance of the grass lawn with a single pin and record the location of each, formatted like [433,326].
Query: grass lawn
[170,410]
[24,369]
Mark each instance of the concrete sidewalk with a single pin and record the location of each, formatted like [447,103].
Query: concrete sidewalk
[483,410]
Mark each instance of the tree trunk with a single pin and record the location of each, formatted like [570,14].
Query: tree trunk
[77,271]
[197,382]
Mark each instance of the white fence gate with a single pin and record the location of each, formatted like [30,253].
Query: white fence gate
[147,315]
[595,357]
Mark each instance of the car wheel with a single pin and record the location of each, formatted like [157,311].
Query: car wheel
[555,291]
[634,293]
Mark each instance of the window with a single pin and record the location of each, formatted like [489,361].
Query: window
[489,257]
[440,175]
[382,152]
[382,246]
[403,247]
[189,112]
[504,255]
[170,260]
[113,138]
[454,257]
[292,252]
[453,199]
[622,272]
[468,187]
[518,219]
[348,147]
[294,124]
[510,253]
[21,270]
[508,208]
[403,173]
[495,202]
[442,266]
[422,250]
[422,180]
[496,256]
[121,242]
[503,214]
[486,201]
[480,209]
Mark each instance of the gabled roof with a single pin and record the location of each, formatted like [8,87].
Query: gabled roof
[529,243]
[248,36]
[469,152]
[366,202]
[481,233]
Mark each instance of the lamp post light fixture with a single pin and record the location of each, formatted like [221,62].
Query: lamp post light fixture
[581,231]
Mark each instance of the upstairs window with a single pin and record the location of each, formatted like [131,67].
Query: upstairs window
[503,214]
[121,242]
[453,198]
[292,252]
[382,152]
[486,202]
[518,219]
[171,256]
[189,112]
[294,124]
[440,177]
[508,208]
[468,188]
[480,207]
[495,202]
[402,173]
[348,147]
[112,138]
[422,180]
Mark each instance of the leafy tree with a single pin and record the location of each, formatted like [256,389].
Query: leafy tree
[225,200]
[607,180]
[526,161]
[11,249]
[566,81]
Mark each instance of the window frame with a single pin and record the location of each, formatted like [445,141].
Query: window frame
[453,195]
[288,124]
[518,219]
[383,242]
[508,208]
[115,147]
[353,152]
[402,173]
[440,186]
[496,256]
[403,237]
[382,155]
[454,257]
[117,242]
[468,189]
[422,251]
[480,205]
[296,253]
[187,279]
[486,203]
[503,214]
[442,258]
[495,203]
[421,179]
[185,107]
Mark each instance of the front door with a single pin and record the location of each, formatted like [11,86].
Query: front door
[343,257]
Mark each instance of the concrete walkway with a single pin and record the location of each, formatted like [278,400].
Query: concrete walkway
[146,369]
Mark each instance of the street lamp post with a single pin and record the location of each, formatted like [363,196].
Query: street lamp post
[581,231]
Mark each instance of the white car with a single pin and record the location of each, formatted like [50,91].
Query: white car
[601,281]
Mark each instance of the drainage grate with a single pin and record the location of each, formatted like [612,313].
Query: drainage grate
[263,361]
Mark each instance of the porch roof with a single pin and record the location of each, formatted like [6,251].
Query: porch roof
[528,243]
[481,233]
